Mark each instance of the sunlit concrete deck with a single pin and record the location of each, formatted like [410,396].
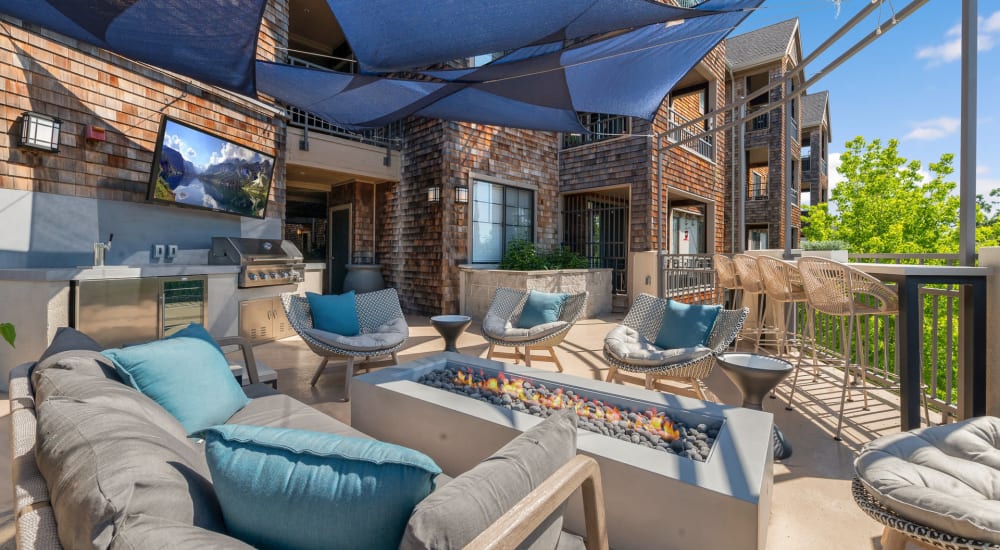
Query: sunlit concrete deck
[812,505]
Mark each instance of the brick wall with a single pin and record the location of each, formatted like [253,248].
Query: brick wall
[421,244]
[632,162]
[361,197]
[768,212]
[80,84]
[687,173]
[816,180]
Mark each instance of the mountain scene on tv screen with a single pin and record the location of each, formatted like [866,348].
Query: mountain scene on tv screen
[236,183]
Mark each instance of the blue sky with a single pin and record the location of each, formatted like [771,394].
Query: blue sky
[905,85]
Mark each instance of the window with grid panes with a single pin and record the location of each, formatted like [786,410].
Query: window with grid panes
[500,214]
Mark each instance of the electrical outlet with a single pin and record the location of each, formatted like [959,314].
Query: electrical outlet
[171,251]
[157,251]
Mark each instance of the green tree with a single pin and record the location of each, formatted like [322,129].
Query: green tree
[885,204]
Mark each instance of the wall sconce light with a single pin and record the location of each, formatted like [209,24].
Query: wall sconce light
[40,131]
[434,194]
[462,194]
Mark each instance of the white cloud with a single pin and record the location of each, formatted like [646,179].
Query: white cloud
[936,128]
[990,24]
[176,143]
[982,170]
[951,49]
[230,151]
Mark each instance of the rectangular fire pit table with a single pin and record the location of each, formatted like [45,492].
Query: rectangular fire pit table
[653,499]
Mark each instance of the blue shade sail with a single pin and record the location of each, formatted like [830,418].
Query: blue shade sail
[394,35]
[562,56]
[348,100]
[214,42]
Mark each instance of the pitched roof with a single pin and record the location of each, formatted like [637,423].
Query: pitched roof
[761,45]
[814,107]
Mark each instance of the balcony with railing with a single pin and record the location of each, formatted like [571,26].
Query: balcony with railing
[390,137]
[704,146]
[600,127]
[759,121]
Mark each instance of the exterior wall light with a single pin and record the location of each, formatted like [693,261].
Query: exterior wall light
[40,131]
[434,194]
[462,194]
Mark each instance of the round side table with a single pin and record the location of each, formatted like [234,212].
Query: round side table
[450,327]
[755,376]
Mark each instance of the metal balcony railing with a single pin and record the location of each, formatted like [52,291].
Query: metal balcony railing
[761,121]
[691,278]
[704,146]
[390,137]
[600,127]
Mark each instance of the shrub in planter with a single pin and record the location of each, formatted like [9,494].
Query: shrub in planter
[523,256]
[824,245]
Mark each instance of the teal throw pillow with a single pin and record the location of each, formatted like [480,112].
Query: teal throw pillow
[541,308]
[336,313]
[195,330]
[686,326]
[284,488]
[188,377]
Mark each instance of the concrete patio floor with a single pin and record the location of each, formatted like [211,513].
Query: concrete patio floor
[812,505]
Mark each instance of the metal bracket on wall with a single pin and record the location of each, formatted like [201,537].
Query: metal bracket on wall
[304,142]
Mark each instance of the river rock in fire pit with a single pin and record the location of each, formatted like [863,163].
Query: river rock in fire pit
[652,429]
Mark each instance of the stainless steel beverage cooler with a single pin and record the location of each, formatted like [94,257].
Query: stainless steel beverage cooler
[117,312]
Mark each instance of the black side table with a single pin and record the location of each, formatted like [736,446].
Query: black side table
[450,327]
[755,376]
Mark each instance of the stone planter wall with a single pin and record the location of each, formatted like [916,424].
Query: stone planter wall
[477,287]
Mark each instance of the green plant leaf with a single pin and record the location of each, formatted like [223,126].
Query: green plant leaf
[8,333]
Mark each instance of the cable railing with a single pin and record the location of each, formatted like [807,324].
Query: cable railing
[390,137]
[691,278]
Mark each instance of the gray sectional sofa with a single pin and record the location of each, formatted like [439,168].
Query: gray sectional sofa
[108,485]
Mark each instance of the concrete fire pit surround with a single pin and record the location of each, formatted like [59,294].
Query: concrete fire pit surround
[653,499]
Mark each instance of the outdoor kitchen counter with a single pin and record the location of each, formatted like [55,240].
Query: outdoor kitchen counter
[113,272]
[123,271]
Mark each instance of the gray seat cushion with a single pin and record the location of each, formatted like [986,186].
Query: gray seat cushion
[148,533]
[503,329]
[78,375]
[454,514]
[387,336]
[68,339]
[945,477]
[280,411]
[628,346]
[104,466]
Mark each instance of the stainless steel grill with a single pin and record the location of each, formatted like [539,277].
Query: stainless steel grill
[264,262]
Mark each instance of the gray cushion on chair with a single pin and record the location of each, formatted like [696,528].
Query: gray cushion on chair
[454,514]
[104,466]
[944,477]
[386,336]
[629,346]
[503,329]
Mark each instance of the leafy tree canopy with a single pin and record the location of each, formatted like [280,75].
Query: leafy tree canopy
[885,204]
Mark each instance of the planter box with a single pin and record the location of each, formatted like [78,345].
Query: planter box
[477,287]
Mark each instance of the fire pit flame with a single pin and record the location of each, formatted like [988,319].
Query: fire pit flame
[654,422]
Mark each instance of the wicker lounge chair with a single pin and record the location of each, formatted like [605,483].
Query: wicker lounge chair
[499,327]
[383,331]
[629,346]
[933,487]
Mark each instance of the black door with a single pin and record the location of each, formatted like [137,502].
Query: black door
[340,248]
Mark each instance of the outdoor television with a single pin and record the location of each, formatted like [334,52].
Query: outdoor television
[194,168]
